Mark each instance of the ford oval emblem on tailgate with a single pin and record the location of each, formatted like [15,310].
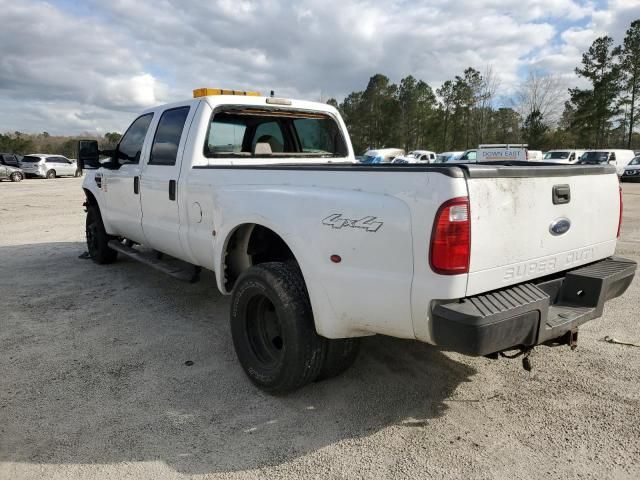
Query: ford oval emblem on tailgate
[560,226]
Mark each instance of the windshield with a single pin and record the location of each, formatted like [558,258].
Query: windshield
[556,155]
[635,161]
[252,132]
[30,159]
[594,157]
[470,155]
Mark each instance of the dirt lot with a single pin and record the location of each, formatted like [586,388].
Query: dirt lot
[93,381]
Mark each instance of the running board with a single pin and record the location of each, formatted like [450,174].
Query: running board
[186,275]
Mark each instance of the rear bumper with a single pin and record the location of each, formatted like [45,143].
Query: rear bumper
[531,313]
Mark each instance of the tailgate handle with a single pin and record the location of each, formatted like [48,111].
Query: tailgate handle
[172,189]
[136,185]
[561,194]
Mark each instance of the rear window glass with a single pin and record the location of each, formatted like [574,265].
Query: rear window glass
[226,136]
[30,159]
[250,132]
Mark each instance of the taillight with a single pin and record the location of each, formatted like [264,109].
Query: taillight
[620,217]
[451,238]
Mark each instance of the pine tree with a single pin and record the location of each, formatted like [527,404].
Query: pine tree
[597,106]
[630,62]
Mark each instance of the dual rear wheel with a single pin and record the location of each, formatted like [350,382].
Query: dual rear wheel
[274,334]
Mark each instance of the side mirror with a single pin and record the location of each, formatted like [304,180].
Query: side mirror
[88,154]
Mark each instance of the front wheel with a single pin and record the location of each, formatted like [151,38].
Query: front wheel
[97,238]
[273,330]
[77,173]
[50,174]
[16,177]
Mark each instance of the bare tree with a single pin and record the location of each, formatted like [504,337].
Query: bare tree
[484,95]
[541,95]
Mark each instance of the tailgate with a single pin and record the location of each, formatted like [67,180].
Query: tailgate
[519,231]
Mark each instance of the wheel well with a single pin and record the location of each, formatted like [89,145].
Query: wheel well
[251,244]
[91,200]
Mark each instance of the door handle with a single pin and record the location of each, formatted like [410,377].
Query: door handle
[561,194]
[136,185]
[172,189]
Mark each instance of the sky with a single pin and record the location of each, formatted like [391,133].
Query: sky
[69,67]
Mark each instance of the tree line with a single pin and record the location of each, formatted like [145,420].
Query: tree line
[465,112]
[25,143]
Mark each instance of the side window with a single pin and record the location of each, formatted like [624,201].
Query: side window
[269,132]
[50,160]
[164,150]
[472,155]
[612,158]
[572,157]
[130,147]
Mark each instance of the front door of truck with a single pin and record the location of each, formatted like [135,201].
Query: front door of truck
[123,211]
[159,183]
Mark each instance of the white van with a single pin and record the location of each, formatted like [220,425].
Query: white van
[502,152]
[563,156]
[619,158]
[534,155]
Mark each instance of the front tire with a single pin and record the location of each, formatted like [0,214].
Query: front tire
[273,329]
[97,238]
[16,177]
[50,174]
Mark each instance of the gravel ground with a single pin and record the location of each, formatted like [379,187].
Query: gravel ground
[94,384]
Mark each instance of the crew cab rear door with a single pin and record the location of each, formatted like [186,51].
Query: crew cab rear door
[530,222]
[159,182]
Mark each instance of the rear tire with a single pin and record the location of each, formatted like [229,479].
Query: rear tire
[77,173]
[97,238]
[339,356]
[50,174]
[273,329]
[16,177]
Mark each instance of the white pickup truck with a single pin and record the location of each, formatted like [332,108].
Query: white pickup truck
[317,250]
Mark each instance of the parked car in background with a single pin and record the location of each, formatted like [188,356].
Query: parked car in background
[10,159]
[48,166]
[619,158]
[632,171]
[447,156]
[416,156]
[382,155]
[535,156]
[469,156]
[563,156]
[10,172]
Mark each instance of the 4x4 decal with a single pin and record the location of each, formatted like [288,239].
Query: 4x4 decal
[337,221]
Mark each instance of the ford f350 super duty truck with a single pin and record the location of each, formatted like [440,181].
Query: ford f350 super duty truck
[317,251]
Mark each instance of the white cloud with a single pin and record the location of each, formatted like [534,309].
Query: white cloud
[93,69]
